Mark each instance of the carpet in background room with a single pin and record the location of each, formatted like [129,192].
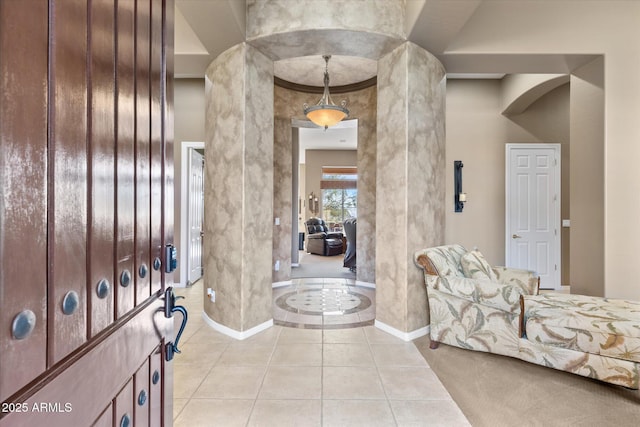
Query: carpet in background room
[321,266]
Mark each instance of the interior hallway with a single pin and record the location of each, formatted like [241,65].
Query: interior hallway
[303,377]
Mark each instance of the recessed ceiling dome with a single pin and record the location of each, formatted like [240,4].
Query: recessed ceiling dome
[308,70]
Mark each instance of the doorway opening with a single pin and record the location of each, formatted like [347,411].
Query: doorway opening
[533,210]
[191,212]
[325,165]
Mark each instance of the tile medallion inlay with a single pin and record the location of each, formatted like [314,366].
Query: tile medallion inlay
[324,304]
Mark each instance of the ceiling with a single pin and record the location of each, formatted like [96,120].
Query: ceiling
[343,136]
[206,28]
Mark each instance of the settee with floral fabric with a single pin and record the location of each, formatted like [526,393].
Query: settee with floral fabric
[498,310]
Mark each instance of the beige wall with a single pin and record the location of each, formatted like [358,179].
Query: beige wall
[507,27]
[188,95]
[477,134]
[587,180]
[604,27]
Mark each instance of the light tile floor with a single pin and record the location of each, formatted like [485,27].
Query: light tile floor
[303,377]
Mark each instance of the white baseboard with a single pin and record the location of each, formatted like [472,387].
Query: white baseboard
[232,332]
[281,284]
[365,284]
[404,336]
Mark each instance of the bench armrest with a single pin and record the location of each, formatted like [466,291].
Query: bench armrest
[500,296]
[524,279]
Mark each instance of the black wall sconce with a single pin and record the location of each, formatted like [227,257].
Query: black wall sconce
[459,197]
[313,203]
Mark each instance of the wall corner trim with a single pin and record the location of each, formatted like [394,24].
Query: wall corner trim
[232,332]
[405,336]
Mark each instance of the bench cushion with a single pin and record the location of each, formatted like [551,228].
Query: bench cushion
[603,326]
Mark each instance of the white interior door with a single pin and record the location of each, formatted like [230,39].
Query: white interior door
[533,210]
[196,214]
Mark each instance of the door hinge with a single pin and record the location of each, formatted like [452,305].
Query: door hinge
[556,267]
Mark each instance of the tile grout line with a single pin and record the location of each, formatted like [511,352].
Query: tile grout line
[384,390]
[264,376]
[322,377]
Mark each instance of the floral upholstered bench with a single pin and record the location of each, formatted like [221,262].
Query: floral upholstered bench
[590,336]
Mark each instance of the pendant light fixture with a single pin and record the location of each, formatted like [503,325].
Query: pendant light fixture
[325,113]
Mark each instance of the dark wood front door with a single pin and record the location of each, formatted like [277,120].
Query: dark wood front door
[86,181]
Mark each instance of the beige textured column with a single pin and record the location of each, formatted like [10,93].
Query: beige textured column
[239,189]
[410,179]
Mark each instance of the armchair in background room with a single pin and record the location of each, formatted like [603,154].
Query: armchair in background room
[350,226]
[320,241]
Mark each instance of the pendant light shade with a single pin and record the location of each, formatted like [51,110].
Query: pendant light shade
[325,113]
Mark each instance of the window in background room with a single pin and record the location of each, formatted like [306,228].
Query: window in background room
[339,195]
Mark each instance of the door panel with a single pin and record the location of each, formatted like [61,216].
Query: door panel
[106,419]
[156,365]
[76,174]
[196,214]
[155,68]
[101,208]
[141,395]
[101,370]
[143,172]
[23,187]
[533,210]
[123,406]
[125,120]
[67,220]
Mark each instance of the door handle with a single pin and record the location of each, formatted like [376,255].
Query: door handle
[515,236]
[170,307]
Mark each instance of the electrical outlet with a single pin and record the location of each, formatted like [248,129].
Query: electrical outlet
[276,267]
[212,297]
[277,222]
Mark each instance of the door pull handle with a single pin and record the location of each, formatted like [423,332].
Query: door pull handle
[515,236]
[170,307]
